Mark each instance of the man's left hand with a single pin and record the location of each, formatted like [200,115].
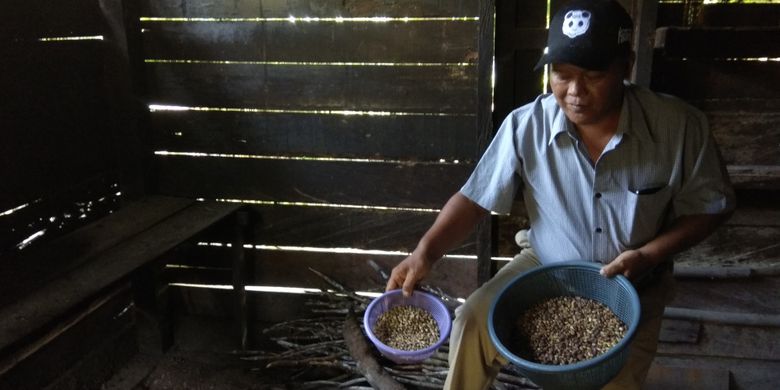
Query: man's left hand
[631,264]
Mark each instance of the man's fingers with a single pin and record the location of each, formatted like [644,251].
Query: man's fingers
[611,269]
[409,285]
[396,279]
[391,284]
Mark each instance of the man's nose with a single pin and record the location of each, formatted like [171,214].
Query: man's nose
[576,87]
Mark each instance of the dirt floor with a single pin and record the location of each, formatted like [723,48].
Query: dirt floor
[717,357]
[203,357]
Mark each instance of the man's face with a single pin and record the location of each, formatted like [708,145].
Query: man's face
[588,97]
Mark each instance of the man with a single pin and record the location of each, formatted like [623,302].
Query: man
[610,172]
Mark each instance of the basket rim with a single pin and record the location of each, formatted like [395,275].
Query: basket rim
[581,365]
[443,333]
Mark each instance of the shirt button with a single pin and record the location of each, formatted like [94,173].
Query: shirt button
[598,230]
[598,195]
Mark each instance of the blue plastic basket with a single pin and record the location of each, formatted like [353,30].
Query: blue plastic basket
[423,300]
[564,279]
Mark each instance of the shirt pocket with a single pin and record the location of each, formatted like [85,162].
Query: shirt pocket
[646,209]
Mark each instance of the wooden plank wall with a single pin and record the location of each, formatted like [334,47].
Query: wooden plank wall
[56,145]
[59,115]
[723,58]
[345,124]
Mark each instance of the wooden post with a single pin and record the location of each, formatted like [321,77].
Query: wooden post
[152,302]
[240,278]
[122,82]
[644,34]
[484,235]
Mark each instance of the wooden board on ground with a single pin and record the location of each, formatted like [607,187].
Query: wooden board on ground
[679,331]
[736,245]
[730,341]
[669,377]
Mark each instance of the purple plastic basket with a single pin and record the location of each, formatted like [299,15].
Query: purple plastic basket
[423,300]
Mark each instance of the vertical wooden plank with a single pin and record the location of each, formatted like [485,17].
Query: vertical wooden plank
[521,36]
[485,128]
[142,179]
[644,32]
[240,309]
[151,295]
[125,111]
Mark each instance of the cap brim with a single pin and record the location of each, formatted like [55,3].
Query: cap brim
[600,62]
[544,60]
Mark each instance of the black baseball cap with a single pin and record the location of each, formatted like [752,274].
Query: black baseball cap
[589,34]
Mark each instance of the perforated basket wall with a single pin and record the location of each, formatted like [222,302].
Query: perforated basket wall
[423,300]
[565,279]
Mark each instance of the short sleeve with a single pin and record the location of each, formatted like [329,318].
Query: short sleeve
[495,180]
[706,188]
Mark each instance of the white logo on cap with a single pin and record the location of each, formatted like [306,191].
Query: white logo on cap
[575,23]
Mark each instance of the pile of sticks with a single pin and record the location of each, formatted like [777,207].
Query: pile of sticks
[332,345]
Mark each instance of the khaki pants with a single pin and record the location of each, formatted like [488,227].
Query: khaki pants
[475,362]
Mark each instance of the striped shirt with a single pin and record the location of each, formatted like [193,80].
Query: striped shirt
[662,163]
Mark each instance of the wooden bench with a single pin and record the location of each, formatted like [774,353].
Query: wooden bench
[55,280]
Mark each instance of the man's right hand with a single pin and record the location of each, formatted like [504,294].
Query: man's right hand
[407,273]
[453,224]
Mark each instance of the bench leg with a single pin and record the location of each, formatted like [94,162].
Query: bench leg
[152,301]
[242,276]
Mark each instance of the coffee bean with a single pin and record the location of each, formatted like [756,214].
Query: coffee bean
[565,330]
[407,328]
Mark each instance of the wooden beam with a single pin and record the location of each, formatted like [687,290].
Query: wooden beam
[322,182]
[723,318]
[744,14]
[644,31]
[485,131]
[764,177]
[435,89]
[718,42]
[311,8]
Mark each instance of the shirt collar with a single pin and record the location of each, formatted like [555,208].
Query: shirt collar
[560,124]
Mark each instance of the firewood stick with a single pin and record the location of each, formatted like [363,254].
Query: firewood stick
[366,363]
[515,380]
[339,286]
[303,362]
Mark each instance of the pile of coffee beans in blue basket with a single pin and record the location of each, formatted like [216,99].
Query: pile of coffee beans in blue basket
[566,330]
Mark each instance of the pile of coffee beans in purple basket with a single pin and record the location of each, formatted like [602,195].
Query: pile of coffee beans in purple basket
[407,328]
